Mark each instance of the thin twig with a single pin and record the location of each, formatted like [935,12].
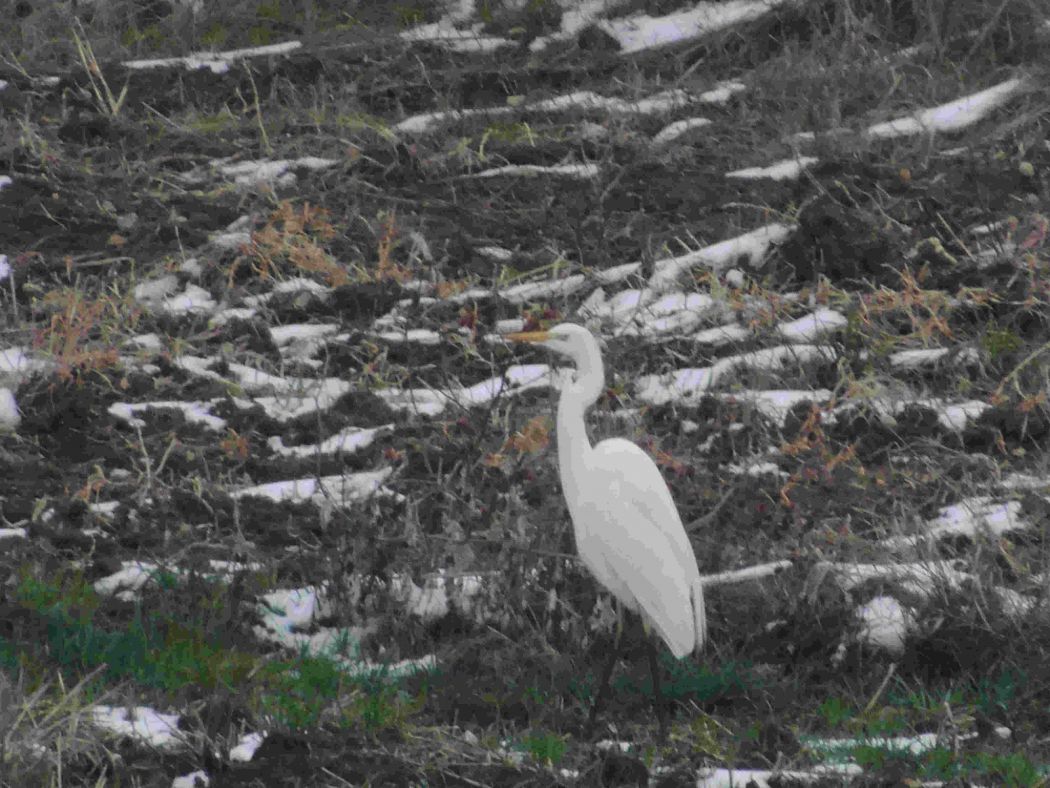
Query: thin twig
[707,518]
[878,693]
[258,110]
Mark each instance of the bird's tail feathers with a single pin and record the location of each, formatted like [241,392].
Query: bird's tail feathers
[696,597]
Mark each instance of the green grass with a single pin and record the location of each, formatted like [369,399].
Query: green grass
[304,692]
[171,653]
[155,651]
[546,748]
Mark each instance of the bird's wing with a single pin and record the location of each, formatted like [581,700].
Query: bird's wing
[633,537]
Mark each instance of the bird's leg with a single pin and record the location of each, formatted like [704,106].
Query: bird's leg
[603,683]
[658,699]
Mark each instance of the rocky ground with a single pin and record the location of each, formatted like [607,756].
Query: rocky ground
[282,508]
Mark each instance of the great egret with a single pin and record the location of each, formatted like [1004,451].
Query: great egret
[628,531]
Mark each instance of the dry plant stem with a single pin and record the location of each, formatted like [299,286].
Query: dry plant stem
[1028,360]
[164,457]
[14,298]
[145,459]
[699,522]
[985,31]
[882,687]
[258,110]
[107,103]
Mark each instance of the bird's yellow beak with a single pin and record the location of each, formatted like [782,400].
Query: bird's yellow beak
[528,336]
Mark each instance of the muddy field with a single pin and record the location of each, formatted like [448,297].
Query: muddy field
[280,506]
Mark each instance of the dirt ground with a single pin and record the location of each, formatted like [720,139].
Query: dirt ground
[936,240]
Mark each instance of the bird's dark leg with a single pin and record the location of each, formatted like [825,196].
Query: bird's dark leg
[603,683]
[658,699]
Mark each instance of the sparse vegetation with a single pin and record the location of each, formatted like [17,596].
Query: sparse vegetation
[170,400]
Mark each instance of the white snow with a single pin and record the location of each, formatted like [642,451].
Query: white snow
[664,101]
[584,100]
[616,273]
[132,577]
[952,116]
[549,288]
[673,131]
[720,336]
[422,402]
[439,593]
[197,779]
[295,284]
[956,415]
[776,404]
[301,333]
[722,92]
[342,489]
[149,341]
[16,365]
[922,579]
[230,240]
[579,171]
[194,412]
[224,316]
[193,299]
[885,624]
[246,746]
[10,417]
[618,307]
[139,722]
[286,611]
[1024,481]
[152,292]
[256,381]
[217,62]
[640,32]
[970,517]
[752,246]
[903,745]
[686,384]
[645,313]
[497,253]
[764,778]
[431,402]
[786,170]
[920,358]
[812,326]
[346,441]
[293,608]
[952,415]
[250,173]
[444,33]
[575,17]
[416,336]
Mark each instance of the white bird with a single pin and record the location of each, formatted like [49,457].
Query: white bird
[628,531]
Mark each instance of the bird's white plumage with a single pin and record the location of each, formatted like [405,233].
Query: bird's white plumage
[631,537]
[628,531]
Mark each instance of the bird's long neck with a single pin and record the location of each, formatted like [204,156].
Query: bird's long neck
[574,447]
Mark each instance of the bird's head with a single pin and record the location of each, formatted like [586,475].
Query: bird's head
[578,345]
[566,339]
